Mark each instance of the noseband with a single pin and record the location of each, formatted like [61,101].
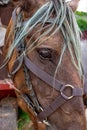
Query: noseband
[59,86]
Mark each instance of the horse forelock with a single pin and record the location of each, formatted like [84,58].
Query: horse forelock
[60,16]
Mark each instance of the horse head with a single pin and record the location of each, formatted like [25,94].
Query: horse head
[43,55]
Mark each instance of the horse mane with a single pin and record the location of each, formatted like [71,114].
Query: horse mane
[61,17]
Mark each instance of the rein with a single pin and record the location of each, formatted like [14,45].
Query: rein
[42,114]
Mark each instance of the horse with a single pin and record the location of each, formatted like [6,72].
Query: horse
[6,9]
[42,52]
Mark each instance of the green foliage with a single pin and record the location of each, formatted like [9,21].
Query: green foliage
[23,118]
[81,13]
[82,20]
[82,24]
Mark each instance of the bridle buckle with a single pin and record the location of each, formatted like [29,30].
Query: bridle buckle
[65,87]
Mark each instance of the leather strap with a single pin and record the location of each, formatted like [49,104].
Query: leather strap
[49,79]
[42,75]
[51,108]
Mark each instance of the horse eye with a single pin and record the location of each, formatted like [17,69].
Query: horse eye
[45,53]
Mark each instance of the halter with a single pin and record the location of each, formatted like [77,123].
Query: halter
[43,114]
[59,86]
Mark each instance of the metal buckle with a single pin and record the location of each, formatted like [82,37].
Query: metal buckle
[65,87]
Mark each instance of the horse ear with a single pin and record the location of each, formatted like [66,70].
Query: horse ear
[73,4]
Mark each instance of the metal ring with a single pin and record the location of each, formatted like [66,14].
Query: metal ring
[65,96]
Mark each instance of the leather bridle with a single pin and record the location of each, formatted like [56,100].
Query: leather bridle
[59,86]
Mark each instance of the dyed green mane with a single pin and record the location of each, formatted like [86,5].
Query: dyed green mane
[63,19]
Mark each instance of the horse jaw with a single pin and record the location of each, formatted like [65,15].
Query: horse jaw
[73,125]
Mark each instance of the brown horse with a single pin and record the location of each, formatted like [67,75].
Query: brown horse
[43,56]
[6,9]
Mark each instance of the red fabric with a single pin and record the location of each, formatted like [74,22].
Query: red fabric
[6,90]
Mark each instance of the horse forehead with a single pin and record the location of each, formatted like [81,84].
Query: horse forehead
[53,42]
